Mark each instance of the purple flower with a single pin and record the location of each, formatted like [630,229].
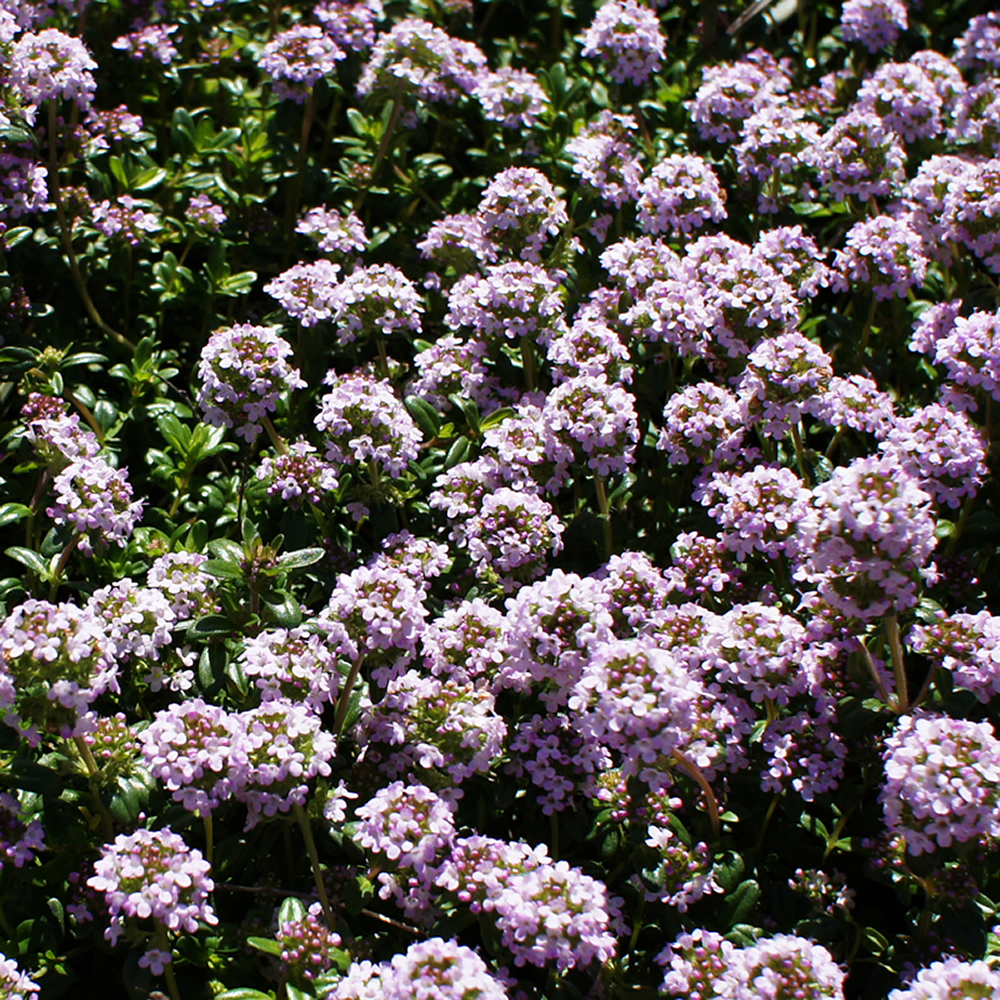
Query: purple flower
[282,746]
[466,643]
[520,210]
[350,23]
[298,58]
[869,542]
[795,256]
[783,377]
[876,24]
[452,366]
[333,233]
[745,297]
[126,219]
[803,754]
[967,646]
[700,422]
[299,475]
[977,118]
[680,194]
[192,748]
[154,874]
[589,348]
[855,402]
[15,984]
[243,372]
[732,92]
[362,421]
[459,241]
[951,978]
[50,65]
[407,825]
[770,151]
[150,41]
[204,216]
[381,608]
[684,874]
[299,664]
[440,727]
[553,914]
[945,451]
[511,97]
[942,782]
[885,254]
[559,760]
[23,187]
[510,536]
[860,155]
[596,420]
[20,837]
[378,299]
[512,300]
[905,98]
[179,576]
[307,292]
[758,510]
[970,351]
[416,59]
[96,500]
[699,965]
[626,36]
[442,970]
[139,621]
[638,699]
[552,626]
[979,47]
[604,157]
[636,264]
[306,943]
[782,966]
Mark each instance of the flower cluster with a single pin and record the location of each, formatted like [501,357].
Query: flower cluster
[243,372]
[363,421]
[681,193]
[868,543]
[153,874]
[626,36]
[298,58]
[307,292]
[941,782]
[55,659]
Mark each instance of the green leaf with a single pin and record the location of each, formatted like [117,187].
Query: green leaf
[739,904]
[266,945]
[281,608]
[14,134]
[301,558]
[458,452]
[223,568]
[31,559]
[237,284]
[17,235]
[226,548]
[291,909]
[83,358]
[149,179]
[212,625]
[32,777]
[244,993]
[11,512]
[424,415]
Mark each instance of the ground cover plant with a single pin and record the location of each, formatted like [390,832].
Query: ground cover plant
[499,499]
